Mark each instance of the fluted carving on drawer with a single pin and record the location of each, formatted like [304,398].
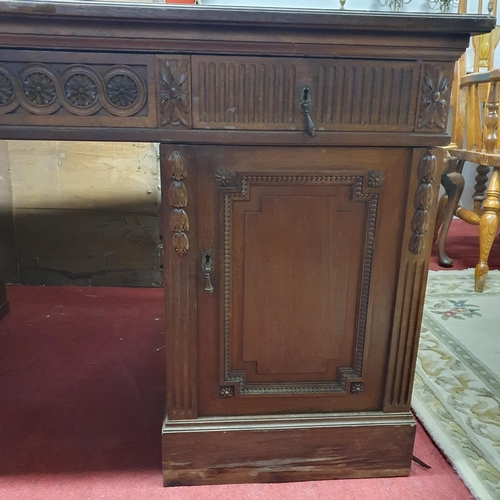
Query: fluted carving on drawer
[265,93]
[82,90]
[246,93]
[352,94]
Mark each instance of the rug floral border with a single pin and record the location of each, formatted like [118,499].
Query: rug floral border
[456,396]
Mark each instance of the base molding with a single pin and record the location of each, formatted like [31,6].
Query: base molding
[220,450]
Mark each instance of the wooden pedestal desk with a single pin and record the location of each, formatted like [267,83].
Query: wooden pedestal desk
[300,173]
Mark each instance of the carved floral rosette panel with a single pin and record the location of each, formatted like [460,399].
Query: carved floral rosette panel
[434,101]
[56,90]
[342,378]
[174,92]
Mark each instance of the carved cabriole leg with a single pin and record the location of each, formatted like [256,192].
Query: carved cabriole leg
[423,190]
[179,261]
[454,185]
[487,228]
[442,204]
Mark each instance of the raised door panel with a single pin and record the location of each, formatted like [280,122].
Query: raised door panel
[304,249]
[284,243]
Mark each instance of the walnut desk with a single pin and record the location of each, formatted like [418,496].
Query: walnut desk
[300,173]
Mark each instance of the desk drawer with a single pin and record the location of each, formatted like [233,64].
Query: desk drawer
[67,89]
[264,93]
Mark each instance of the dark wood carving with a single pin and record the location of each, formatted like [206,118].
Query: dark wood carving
[227,391]
[406,325]
[435,97]
[246,93]
[224,178]
[178,200]
[375,179]
[175,93]
[422,202]
[338,382]
[356,387]
[82,90]
[379,95]
[351,93]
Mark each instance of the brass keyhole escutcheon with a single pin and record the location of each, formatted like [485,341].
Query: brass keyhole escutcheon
[305,107]
[207,266]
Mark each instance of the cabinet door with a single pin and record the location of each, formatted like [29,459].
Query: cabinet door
[300,247]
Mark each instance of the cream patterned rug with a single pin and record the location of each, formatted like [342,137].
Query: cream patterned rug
[457,380]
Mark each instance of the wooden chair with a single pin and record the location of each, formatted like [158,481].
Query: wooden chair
[482,148]
[473,108]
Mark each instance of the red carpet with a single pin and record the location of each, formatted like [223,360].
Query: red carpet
[462,245]
[81,405]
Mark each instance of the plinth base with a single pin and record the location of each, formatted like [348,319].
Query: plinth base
[265,449]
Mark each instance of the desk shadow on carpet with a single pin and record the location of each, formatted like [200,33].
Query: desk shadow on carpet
[82,379]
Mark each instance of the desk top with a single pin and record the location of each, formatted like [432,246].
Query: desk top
[146,26]
[201,74]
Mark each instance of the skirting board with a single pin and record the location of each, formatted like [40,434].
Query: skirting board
[219,450]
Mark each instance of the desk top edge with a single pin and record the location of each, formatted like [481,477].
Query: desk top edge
[282,18]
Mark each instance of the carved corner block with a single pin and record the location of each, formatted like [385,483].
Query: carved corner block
[174,92]
[375,179]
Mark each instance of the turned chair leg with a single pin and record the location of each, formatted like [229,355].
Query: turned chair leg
[480,186]
[487,228]
[453,184]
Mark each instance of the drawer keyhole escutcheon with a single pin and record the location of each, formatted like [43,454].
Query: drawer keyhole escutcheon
[305,107]
[207,265]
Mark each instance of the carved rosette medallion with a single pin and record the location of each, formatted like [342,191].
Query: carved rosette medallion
[174,92]
[375,179]
[224,178]
[41,89]
[436,91]
[178,200]
[81,90]
[6,89]
[125,91]
[122,91]
[345,374]
[226,391]
[356,387]
[422,202]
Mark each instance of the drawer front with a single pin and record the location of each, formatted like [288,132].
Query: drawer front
[77,89]
[266,93]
